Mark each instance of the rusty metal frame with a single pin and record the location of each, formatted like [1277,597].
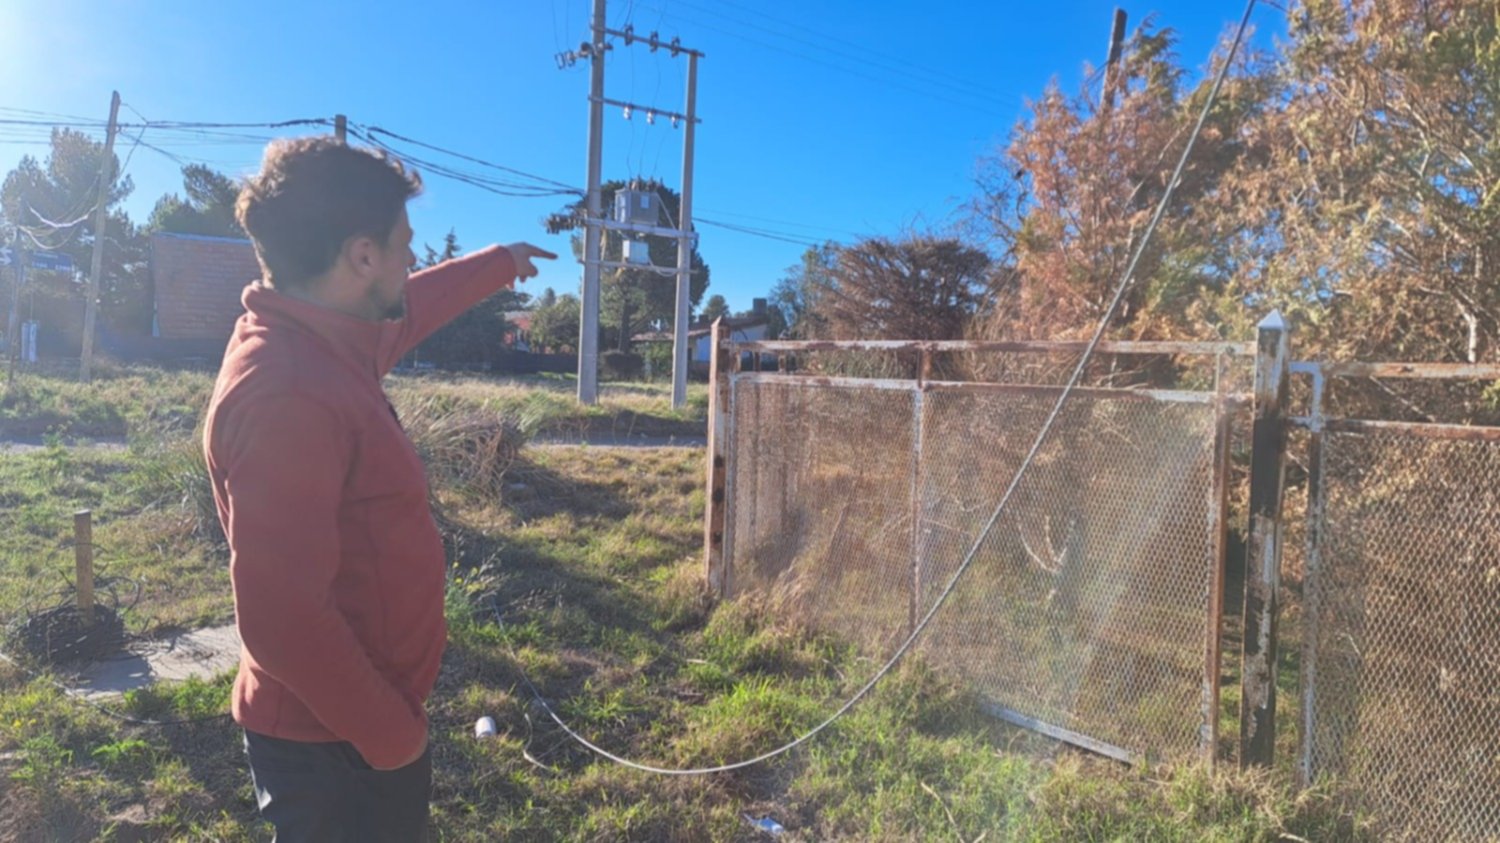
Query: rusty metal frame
[1224,402]
[1174,396]
[1240,349]
[1218,508]
[1318,425]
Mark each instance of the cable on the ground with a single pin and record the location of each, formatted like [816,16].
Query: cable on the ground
[1036,445]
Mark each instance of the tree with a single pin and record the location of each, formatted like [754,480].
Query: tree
[554,327]
[631,298]
[51,203]
[476,337]
[207,210]
[715,307]
[794,299]
[1065,203]
[431,257]
[923,288]
[1373,218]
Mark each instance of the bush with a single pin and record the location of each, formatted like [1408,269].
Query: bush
[622,366]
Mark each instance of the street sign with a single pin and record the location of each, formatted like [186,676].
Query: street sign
[54,261]
[6,255]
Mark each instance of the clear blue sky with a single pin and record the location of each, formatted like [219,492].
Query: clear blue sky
[822,119]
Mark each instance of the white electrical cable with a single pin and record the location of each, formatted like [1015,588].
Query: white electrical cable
[1036,446]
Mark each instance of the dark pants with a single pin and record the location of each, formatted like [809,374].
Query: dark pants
[326,792]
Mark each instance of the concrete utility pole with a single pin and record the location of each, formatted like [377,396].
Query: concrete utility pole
[106,183]
[680,348]
[593,230]
[341,128]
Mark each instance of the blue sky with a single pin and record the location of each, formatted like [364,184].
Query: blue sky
[822,119]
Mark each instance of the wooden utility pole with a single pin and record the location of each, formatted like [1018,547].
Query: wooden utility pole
[96,267]
[1263,546]
[1111,63]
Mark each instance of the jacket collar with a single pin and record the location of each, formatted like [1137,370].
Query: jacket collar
[353,340]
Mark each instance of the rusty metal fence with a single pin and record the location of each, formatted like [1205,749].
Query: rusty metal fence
[1091,611]
[1400,657]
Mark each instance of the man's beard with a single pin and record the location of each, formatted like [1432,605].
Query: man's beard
[395,309]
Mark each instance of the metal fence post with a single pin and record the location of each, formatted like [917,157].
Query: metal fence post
[1263,547]
[1218,507]
[1312,603]
[919,434]
[718,464]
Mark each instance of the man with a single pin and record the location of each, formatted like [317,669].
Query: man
[336,563]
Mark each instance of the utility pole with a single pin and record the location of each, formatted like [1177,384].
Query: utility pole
[341,128]
[106,182]
[13,326]
[1111,63]
[593,230]
[680,351]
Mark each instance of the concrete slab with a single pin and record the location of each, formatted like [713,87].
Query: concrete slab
[202,653]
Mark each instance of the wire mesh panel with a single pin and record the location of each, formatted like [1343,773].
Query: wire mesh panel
[820,513]
[1088,605]
[1402,660]
[1087,608]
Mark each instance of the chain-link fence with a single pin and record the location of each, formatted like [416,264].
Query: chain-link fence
[1091,610]
[1401,650]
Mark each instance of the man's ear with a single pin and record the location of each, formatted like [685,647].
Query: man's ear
[362,253]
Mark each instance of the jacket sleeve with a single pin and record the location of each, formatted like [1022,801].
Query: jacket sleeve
[434,297]
[284,462]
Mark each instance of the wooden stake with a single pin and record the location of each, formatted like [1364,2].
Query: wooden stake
[83,557]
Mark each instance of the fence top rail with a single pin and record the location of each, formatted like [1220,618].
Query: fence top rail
[1238,349]
[1433,371]
[1420,430]
[1171,396]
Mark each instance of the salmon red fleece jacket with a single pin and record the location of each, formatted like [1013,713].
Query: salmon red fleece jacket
[336,562]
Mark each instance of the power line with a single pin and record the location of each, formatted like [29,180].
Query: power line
[496,186]
[930,92]
[957,85]
[756,232]
[543,179]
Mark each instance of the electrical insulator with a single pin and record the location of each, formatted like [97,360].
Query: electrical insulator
[651,118]
[627,112]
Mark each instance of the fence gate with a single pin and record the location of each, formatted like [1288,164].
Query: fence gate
[1091,612]
[1401,637]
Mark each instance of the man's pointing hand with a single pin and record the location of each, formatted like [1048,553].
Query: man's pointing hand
[523,253]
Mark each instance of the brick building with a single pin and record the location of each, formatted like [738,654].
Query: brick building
[196,283]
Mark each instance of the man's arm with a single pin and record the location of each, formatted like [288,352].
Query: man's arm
[436,296]
[284,461]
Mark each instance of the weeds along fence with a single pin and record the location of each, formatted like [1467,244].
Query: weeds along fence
[849,480]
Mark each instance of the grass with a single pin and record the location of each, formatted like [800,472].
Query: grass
[592,556]
[142,402]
